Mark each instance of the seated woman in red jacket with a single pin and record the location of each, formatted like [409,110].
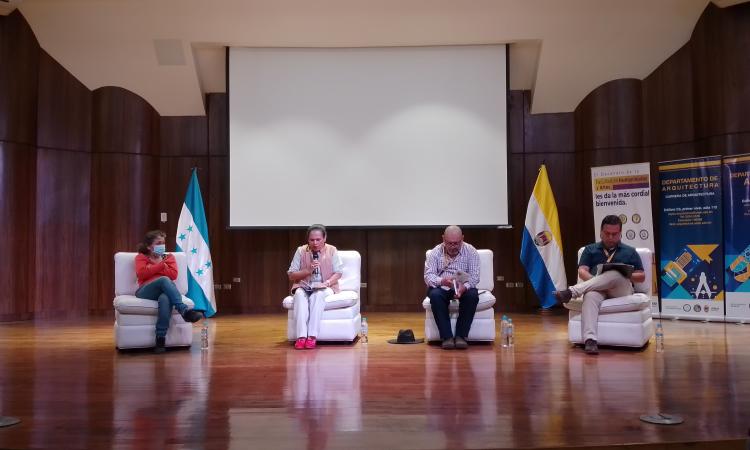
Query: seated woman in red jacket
[156,271]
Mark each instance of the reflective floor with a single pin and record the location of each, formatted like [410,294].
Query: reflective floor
[251,389]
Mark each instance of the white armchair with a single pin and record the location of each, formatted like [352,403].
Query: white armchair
[135,318]
[623,321]
[341,320]
[483,325]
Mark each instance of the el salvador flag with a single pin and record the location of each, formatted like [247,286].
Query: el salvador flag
[192,238]
[541,247]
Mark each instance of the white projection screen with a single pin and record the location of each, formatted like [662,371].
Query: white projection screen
[386,136]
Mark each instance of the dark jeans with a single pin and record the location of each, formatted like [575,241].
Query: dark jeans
[467,306]
[164,291]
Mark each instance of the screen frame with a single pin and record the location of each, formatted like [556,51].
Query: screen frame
[508,154]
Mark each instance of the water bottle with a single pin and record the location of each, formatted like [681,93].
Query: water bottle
[503,330]
[659,338]
[363,331]
[509,333]
[204,334]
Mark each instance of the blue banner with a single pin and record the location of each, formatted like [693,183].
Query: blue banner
[691,266]
[737,236]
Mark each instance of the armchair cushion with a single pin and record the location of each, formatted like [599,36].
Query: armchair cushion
[343,299]
[130,304]
[486,301]
[633,302]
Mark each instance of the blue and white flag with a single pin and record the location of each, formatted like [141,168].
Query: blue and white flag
[192,238]
[541,246]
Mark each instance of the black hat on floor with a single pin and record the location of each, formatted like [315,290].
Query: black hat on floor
[405,337]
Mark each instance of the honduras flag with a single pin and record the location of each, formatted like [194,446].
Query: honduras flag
[192,238]
[541,248]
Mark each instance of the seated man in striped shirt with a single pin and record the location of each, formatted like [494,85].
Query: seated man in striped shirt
[451,270]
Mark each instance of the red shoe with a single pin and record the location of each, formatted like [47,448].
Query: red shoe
[310,342]
[299,344]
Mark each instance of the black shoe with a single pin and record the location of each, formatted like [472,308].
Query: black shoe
[563,296]
[191,316]
[448,344]
[160,345]
[591,348]
[461,343]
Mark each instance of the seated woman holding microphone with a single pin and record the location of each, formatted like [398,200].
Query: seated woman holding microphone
[314,272]
[156,271]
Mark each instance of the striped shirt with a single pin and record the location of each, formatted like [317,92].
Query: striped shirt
[438,264]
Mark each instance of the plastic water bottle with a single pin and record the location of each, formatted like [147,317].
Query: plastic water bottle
[659,338]
[363,331]
[503,330]
[204,334]
[509,333]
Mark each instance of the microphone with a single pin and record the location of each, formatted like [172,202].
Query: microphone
[316,255]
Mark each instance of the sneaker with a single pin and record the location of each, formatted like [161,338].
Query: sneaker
[191,316]
[160,345]
[563,296]
[591,348]
[461,343]
[448,344]
[299,344]
[310,343]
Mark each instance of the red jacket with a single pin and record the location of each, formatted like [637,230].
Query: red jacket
[146,271]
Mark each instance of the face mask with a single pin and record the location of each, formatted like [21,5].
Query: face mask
[160,249]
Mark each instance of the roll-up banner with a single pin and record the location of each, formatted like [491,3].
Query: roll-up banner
[625,190]
[736,179]
[691,244]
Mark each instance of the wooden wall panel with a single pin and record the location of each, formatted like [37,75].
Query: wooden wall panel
[123,123]
[395,257]
[720,44]
[64,109]
[725,144]
[184,145]
[124,190]
[184,136]
[549,133]
[19,70]
[668,101]
[592,121]
[216,195]
[260,259]
[517,109]
[125,183]
[218,124]
[626,112]
[507,257]
[63,185]
[173,179]
[610,116]
[17,182]
[692,105]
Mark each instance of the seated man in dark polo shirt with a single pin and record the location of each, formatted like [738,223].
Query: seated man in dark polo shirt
[610,284]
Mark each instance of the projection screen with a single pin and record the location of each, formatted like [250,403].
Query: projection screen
[386,136]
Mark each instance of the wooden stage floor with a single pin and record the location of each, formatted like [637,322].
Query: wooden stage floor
[253,390]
